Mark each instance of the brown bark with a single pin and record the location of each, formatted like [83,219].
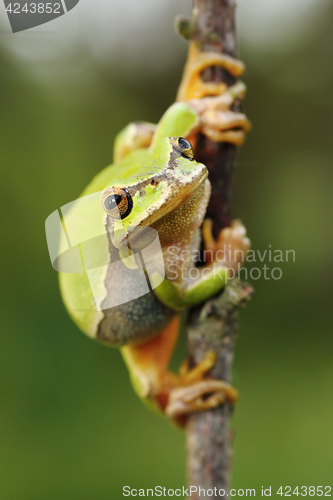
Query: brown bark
[214,327]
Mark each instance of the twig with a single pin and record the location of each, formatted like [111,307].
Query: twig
[214,327]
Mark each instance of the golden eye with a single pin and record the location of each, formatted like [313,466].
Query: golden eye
[117,202]
[185,148]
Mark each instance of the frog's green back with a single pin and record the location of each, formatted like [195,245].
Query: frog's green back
[117,173]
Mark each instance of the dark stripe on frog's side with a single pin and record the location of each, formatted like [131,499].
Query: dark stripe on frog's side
[133,321]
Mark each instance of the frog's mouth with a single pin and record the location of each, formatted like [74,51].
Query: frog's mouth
[168,204]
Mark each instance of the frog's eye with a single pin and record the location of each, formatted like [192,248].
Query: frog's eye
[117,202]
[185,148]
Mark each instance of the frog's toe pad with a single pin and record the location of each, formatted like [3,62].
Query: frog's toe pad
[200,396]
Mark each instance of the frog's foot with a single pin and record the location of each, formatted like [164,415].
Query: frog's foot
[218,122]
[173,395]
[230,247]
[204,395]
[192,85]
[196,393]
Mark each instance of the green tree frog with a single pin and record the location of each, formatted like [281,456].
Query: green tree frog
[155,182]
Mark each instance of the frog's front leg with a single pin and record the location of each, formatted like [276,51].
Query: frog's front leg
[134,136]
[223,256]
[229,248]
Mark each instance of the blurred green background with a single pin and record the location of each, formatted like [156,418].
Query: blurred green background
[71,427]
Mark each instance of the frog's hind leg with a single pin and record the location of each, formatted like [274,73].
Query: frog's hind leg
[148,363]
[135,136]
[172,394]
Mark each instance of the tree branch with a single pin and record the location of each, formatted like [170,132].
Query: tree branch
[214,327]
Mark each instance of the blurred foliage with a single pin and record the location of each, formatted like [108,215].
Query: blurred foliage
[71,426]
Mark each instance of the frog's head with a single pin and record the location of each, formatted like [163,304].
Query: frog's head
[163,185]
